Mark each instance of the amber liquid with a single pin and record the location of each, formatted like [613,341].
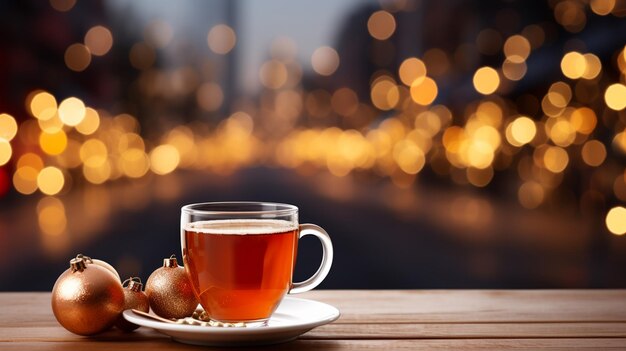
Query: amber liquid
[240,269]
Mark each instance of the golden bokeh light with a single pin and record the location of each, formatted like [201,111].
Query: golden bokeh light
[142,55]
[486,80]
[25,180]
[93,153]
[479,177]
[521,131]
[90,122]
[385,94]
[99,40]
[574,65]
[77,57]
[53,143]
[6,151]
[344,101]
[602,7]
[561,132]
[210,96]
[221,39]
[593,66]
[273,74]
[616,220]
[50,180]
[409,156]
[516,48]
[72,111]
[514,70]
[325,60]
[594,153]
[584,120]
[424,91]
[62,5]
[31,160]
[97,174]
[51,125]
[51,216]
[164,159]
[8,127]
[411,70]
[42,105]
[555,159]
[134,163]
[530,194]
[381,25]
[615,96]
[559,95]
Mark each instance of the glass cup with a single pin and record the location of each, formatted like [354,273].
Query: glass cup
[240,257]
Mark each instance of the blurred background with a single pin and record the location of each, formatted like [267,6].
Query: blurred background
[442,144]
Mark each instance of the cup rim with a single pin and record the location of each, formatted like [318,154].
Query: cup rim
[280,208]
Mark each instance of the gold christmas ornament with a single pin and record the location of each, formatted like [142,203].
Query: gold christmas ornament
[169,291]
[87,299]
[134,298]
[100,263]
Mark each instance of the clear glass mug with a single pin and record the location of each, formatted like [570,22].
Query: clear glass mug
[240,257]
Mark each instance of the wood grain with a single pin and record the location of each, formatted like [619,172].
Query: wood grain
[341,345]
[384,319]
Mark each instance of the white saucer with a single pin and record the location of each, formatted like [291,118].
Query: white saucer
[293,317]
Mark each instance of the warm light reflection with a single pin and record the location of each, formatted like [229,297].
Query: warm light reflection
[164,159]
[51,216]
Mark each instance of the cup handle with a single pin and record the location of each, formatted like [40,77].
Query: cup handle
[327,258]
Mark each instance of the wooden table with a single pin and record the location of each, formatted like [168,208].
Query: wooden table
[380,320]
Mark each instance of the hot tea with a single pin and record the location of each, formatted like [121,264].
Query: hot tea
[240,268]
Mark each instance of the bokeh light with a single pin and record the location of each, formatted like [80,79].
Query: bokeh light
[98,40]
[42,105]
[381,25]
[424,91]
[8,127]
[50,180]
[221,39]
[486,80]
[411,70]
[72,111]
[615,96]
[164,159]
[325,60]
[574,65]
[77,57]
[616,220]
[6,151]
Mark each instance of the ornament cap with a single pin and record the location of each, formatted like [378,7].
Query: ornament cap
[78,264]
[170,262]
[134,284]
[86,258]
